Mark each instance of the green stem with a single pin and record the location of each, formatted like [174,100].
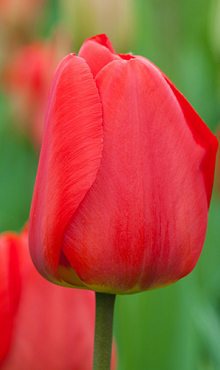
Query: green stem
[103,331]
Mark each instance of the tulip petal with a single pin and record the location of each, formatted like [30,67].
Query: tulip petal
[70,157]
[201,134]
[200,131]
[142,224]
[97,51]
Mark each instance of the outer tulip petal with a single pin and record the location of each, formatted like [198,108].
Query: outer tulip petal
[97,51]
[10,289]
[200,131]
[142,224]
[70,157]
[201,134]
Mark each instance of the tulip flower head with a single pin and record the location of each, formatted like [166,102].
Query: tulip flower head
[124,179]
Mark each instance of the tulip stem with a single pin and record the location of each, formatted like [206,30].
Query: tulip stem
[103,331]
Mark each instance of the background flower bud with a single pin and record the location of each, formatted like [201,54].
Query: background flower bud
[27,78]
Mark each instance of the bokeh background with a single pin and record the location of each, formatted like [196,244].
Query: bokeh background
[177,327]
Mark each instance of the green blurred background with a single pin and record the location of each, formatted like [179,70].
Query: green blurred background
[177,327]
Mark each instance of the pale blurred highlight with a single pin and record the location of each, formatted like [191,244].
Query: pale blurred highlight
[85,18]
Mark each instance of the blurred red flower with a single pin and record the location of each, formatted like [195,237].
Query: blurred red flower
[10,289]
[42,326]
[27,78]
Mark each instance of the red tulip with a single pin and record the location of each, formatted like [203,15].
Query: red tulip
[42,326]
[125,176]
